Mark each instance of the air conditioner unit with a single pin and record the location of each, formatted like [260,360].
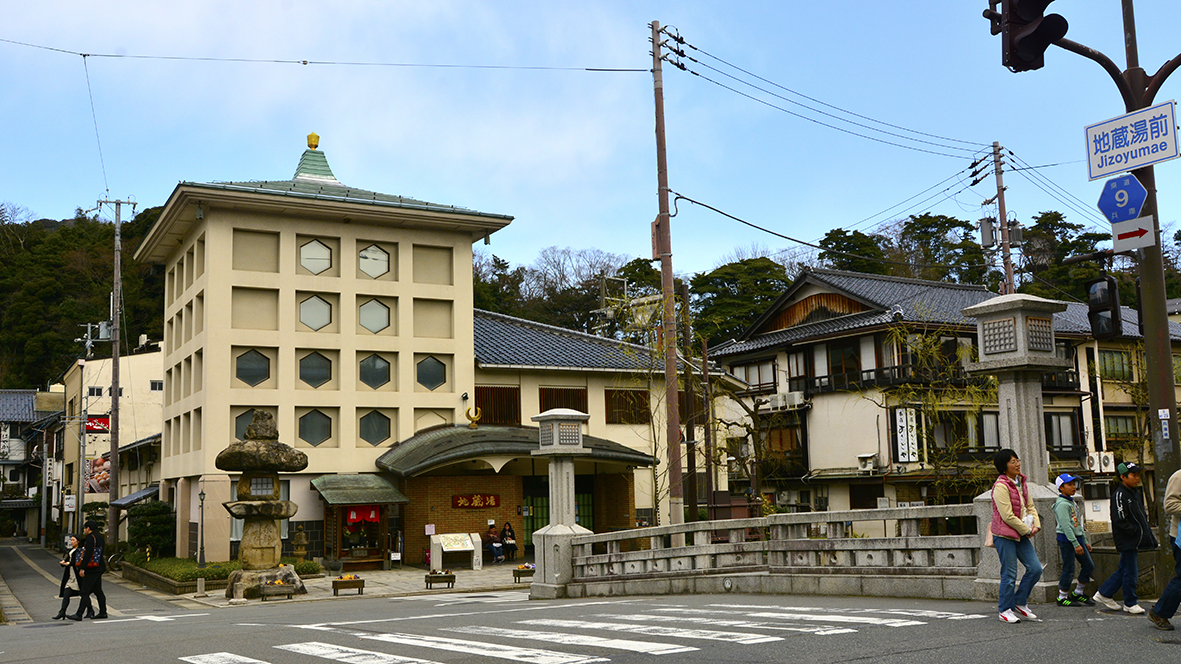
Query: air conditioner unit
[793,399]
[883,503]
[865,462]
[784,498]
[1107,462]
[1093,461]
[776,402]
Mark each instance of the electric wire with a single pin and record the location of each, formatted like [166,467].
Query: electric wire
[1052,194]
[812,99]
[1082,207]
[887,261]
[94,116]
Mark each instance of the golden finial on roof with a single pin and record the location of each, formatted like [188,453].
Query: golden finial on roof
[313,140]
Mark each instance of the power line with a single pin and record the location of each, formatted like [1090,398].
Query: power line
[341,63]
[94,117]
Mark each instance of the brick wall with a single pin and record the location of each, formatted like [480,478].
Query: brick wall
[430,502]
[615,501]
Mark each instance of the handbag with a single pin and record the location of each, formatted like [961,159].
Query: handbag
[988,538]
[509,540]
[96,559]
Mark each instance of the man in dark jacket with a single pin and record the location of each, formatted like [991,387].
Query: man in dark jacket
[1132,534]
[91,566]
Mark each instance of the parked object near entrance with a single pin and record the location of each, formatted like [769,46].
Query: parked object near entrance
[260,459]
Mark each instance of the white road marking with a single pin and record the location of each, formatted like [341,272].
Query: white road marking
[787,613]
[914,613]
[483,649]
[575,640]
[724,622]
[432,616]
[656,630]
[220,658]
[157,618]
[473,598]
[349,655]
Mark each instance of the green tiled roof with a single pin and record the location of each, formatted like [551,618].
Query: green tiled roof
[361,489]
[313,163]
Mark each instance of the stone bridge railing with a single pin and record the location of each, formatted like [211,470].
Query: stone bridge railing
[804,553]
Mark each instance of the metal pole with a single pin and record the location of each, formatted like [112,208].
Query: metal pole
[44,483]
[691,404]
[668,337]
[116,310]
[201,550]
[1003,219]
[78,499]
[709,439]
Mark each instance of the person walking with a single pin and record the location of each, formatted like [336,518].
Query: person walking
[1014,521]
[1132,534]
[1166,606]
[69,586]
[91,566]
[1072,544]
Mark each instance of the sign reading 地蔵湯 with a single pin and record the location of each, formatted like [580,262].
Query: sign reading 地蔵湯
[475,500]
[1137,139]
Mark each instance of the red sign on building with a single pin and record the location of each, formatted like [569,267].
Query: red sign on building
[475,500]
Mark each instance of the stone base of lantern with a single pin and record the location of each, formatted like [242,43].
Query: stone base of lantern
[252,582]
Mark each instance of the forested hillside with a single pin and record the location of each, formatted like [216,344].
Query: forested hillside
[56,276]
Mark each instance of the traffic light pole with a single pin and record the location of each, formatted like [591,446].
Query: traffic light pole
[1138,91]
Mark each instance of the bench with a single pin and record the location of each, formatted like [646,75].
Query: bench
[345,584]
[273,591]
[432,579]
[519,574]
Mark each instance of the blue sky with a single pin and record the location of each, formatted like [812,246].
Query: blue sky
[569,153]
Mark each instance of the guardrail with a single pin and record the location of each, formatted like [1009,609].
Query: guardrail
[812,545]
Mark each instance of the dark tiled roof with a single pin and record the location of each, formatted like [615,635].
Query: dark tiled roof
[507,341]
[443,445]
[921,301]
[18,406]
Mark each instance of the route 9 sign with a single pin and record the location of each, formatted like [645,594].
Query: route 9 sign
[1122,198]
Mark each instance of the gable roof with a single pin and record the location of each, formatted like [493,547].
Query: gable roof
[893,300]
[507,342]
[18,406]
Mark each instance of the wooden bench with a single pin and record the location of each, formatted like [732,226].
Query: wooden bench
[345,584]
[519,574]
[273,591]
[432,579]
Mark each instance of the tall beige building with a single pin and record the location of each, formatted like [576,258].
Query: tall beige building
[347,314]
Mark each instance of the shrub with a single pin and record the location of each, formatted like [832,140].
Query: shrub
[185,569]
[152,524]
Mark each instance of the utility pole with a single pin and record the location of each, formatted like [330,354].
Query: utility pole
[662,239]
[1003,219]
[691,404]
[116,314]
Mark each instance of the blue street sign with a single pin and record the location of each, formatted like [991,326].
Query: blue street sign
[1122,198]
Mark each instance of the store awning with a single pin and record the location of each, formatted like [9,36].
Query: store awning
[358,489]
[133,498]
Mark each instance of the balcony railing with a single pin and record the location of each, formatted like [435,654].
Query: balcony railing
[912,374]
[1061,380]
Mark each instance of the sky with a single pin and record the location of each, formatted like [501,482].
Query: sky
[516,124]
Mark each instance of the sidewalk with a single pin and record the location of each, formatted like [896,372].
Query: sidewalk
[409,580]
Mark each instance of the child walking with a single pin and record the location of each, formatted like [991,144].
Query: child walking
[1073,544]
[1132,534]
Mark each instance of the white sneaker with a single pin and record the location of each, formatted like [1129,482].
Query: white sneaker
[1007,616]
[1025,613]
[1106,601]
[1134,609]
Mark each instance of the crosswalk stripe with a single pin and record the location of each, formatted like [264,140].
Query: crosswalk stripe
[789,614]
[656,630]
[724,622]
[349,655]
[650,648]
[527,655]
[220,658]
[913,613]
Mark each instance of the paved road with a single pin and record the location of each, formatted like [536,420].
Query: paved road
[33,576]
[465,628]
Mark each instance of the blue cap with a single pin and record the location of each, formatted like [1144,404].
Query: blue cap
[1063,479]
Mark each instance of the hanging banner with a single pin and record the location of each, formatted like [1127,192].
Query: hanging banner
[475,500]
[361,513]
[98,424]
[98,475]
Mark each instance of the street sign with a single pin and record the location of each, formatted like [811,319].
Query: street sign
[1122,198]
[1131,141]
[1134,234]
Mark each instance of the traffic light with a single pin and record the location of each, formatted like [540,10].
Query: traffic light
[1103,308]
[1025,32]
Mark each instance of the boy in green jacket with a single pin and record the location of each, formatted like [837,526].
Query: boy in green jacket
[1072,542]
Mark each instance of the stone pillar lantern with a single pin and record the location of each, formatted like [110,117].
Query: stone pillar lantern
[560,438]
[1015,335]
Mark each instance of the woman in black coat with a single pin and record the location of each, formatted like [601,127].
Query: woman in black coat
[69,587]
[508,538]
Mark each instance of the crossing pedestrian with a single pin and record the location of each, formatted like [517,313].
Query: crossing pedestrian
[1166,606]
[1072,543]
[1014,521]
[1132,534]
[91,566]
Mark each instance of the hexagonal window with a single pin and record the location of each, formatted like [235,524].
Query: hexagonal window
[375,427]
[374,261]
[315,428]
[374,316]
[315,369]
[315,312]
[431,373]
[252,368]
[241,422]
[315,257]
[375,371]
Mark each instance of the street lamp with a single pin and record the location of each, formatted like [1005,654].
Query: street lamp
[201,550]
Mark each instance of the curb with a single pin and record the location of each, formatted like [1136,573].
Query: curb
[10,607]
[451,591]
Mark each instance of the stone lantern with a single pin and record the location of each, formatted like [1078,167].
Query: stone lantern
[560,440]
[260,459]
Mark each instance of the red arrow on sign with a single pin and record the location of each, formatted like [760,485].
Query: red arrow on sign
[1139,232]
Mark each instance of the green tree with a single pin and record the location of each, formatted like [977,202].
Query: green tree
[939,248]
[152,524]
[1048,241]
[855,252]
[727,300]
